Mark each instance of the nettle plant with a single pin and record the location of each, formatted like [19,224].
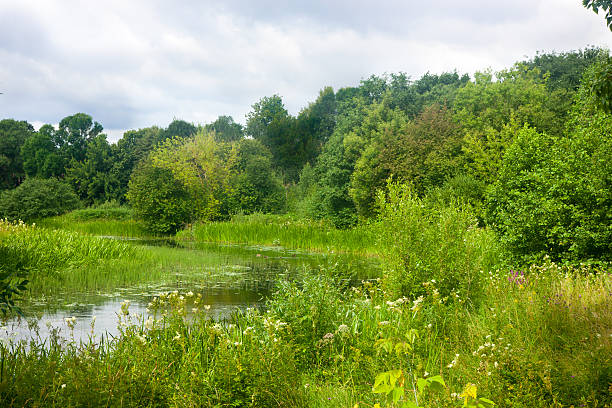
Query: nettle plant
[402,386]
[393,383]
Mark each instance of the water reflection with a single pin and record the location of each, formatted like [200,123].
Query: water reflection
[230,277]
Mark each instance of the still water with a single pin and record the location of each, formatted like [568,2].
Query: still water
[228,277]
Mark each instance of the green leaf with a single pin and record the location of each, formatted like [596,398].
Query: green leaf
[398,392]
[485,403]
[422,383]
[437,383]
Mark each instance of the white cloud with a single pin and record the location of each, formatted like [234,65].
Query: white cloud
[141,63]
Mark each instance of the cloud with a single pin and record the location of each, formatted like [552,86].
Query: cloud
[141,63]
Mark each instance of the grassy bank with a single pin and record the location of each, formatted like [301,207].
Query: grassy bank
[285,231]
[104,220]
[540,339]
[448,324]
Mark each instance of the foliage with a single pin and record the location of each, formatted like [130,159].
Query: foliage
[13,135]
[163,203]
[599,83]
[604,5]
[438,244]
[423,152]
[225,129]
[254,186]
[553,194]
[38,198]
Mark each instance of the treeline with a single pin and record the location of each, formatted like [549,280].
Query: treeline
[528,148]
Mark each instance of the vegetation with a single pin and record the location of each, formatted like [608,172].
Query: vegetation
[486,201]
[37,198]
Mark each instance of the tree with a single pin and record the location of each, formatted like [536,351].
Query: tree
[179,128]
[226,130]
[253,185]
[159,199]
[92,178]
[270,123]
[133,147]
[13,135]
[491,110]
[74,133]
[604,5]
[554,194]
[200,164]
[41,154]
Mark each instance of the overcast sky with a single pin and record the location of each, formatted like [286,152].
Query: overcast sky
[132,64]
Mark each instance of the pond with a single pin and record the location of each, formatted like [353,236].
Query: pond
[228,277]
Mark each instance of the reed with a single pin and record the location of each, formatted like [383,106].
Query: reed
[286,232]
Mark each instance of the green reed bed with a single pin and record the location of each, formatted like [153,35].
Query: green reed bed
[283,231]
[63,260]
[74,221]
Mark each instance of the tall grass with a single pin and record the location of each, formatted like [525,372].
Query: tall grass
[541,339]
[107,219]
[259,229]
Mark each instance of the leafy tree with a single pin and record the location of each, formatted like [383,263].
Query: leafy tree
[226,130]
[159,199]
[179,128]
[201,166]
[554,194]
[270,123]
[490,111]
[13,135]
[74,133]
[133,147]
[38,198]
[424,153]
[599,81]
[42,156]
[604,5]
[253,184]
[92,178]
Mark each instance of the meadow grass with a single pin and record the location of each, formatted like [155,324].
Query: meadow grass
[285,231]
[320,346]
[444,306]
[100,227]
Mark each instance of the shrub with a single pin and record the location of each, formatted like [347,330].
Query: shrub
[158,199]
[421,243]
[38,198]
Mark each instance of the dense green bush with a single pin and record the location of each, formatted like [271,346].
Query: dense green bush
[38,198]
[159,199]
[420,244]
[554,195]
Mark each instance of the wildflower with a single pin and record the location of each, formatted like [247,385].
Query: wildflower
[416,302]
[328,336]
[377,307]
[141,338]
[149,323]
[177,337]
[207,307]
[343,328]
[63,386]
[383,323]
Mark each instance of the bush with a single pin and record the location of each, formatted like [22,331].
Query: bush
[38,198]
[421,243]
[158,199]
[553,195]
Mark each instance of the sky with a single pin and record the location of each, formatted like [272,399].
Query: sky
[133,64]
